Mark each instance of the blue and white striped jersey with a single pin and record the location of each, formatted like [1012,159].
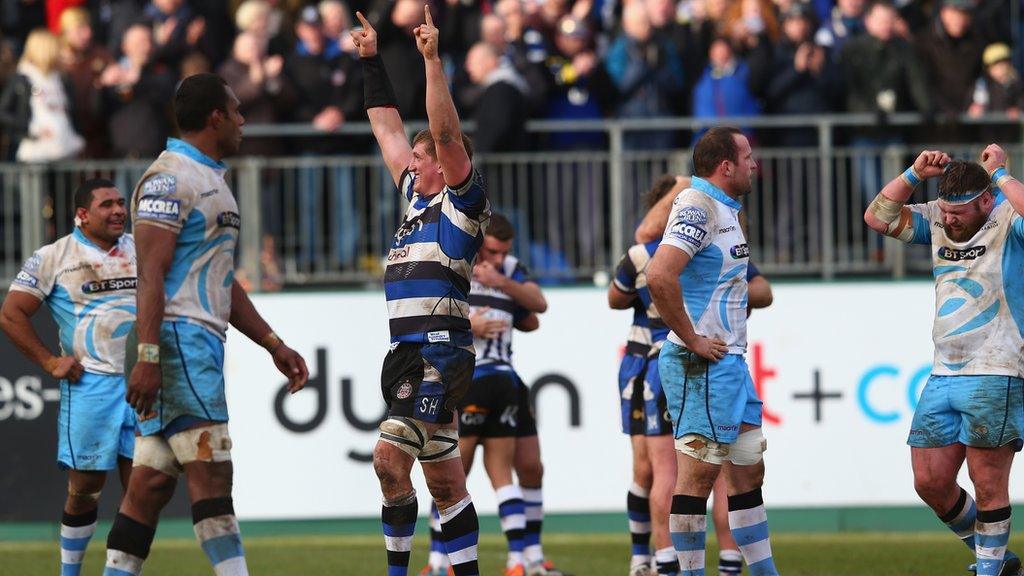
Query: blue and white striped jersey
[184,191]
[502,307]
[631,278]
[704,223]
[979,292]
[91,294]
[430,264]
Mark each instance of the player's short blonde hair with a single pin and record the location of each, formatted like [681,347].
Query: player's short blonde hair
[426,138]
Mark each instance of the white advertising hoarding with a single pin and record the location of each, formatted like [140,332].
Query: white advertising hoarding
[839,367]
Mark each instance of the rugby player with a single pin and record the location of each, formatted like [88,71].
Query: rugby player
[186,228]
[698,282]
[429,366]
[87,279]
[644,414]
[972,407]
[496,411]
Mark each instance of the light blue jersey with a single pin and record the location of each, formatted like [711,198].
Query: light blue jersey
[704,224]
[979,293]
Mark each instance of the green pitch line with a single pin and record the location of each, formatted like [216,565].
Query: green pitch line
[817,520]
[584,554]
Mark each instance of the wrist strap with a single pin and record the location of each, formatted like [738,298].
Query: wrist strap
[911,177]
[149,353]
[377,89]
[271,341]
[1000,176]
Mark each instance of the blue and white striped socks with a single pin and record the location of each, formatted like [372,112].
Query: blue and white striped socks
[461,530]
[512,513]
[128,546]
[638,510]
[398,518]
[961,517]
[688,525]
[992,532]
[75,532]
[438,559]
[748,522]
[216,529]
[667,562]
[533,499]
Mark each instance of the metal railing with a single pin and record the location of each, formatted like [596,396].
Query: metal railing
[329,219]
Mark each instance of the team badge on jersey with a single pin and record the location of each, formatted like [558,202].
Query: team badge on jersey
[404,391]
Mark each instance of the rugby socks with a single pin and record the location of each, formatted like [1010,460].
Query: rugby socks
[730,563]
[75,532]
[638,509]
[438,556]
[533,498]
[216,528]
[512,512]
[398,518]
[666,561]
[688,525]
[992,532]
[461,530]
[748,522]
[127,546]
[961,517]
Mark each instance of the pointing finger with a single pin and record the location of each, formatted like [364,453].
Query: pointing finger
[363,20]
[426,15]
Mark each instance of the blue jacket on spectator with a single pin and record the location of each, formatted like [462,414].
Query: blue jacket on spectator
[649,77]
[724,94]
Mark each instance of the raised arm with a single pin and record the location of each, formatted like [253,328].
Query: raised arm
[247,320]
[380,102]
[887,213]
[994,160]
[441,115]
[653,225]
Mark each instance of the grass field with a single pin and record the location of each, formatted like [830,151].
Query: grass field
[584,555]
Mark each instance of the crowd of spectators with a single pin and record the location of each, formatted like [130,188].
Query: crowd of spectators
[92,78]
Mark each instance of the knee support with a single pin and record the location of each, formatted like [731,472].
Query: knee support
[443,445]
[406,434]
[748,449]
[702,448]
[204,444]
[154,452]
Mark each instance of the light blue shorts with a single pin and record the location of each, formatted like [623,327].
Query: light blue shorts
[192,363]
[978,411]
[711,399]
[95,425]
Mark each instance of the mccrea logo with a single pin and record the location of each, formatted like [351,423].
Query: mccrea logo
[956,254]
[110,285]
[740,251]
[230,220]
[689,233]
[159,209]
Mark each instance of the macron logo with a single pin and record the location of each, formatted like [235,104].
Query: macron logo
[159,209]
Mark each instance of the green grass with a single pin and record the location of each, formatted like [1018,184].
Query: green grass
[584,555]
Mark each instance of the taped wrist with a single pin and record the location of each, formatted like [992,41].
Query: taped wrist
[377,89]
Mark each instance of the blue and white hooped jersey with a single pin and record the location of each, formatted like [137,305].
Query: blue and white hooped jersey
[705,224]
[631,278]
[502,307]
[430,264]
[184,191]
[91,294]
[979,293]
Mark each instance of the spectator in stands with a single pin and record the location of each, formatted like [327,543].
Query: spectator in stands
[462,20]
[581,88]
[1000,88]
[526,42]
[951,50]
[667,27]
[264,92]
[706,20]
[648,74]
[177,30]
[265,22]
[724,88]
[18,18]
[136,96]
[501,110]
[397,47]
[329,92]
[752,27]
[846,21]
[506,34]
[797,78]
[84,62]
[335,16]
[882,73]
[36,109]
